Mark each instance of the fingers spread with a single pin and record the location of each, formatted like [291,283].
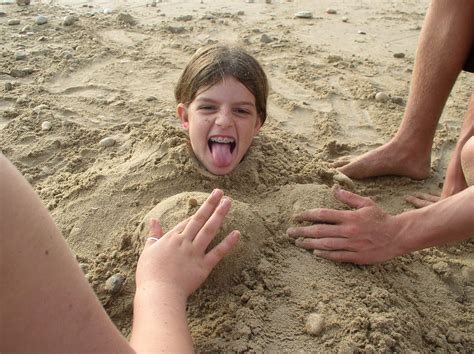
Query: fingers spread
[198,220]
[351,199]
[222,249]
[210,228]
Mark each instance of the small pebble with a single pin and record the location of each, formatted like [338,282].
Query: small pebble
[249,1]
[265,38]
[381,97]
[22,99]
[46,126]
[41,20]
[397,100]
[107,142]
[361,32]
[69,20]
[151,98]
[13,22]
[40,107]
[114,283]
[107,11]
[314,324]
[126,19]
[331,11]
[399,55]
[304,14]
[345,19]
[153,3]
[2,14]
[192,202]
[8,86]
[20,56]
[26,29]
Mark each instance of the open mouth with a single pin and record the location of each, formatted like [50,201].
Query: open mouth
[224,142]
[222,149]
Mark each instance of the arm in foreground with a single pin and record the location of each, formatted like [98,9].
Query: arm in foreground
[46,305]
[369,235]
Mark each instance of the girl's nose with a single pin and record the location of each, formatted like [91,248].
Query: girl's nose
[224,118]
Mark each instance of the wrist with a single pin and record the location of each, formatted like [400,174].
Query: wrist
[166,292]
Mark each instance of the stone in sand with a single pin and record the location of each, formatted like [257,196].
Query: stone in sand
[8,86]
[46,126]
[397,100]
[304,14]
[69,20]
[265,38]
[345,19]
[399,55]
[107,142]
[2,14]
[114,284]
[126,19]
[41,20]
[331,11]
[242,217]
[314,324]
[13,22]
[20,56]
[381,97]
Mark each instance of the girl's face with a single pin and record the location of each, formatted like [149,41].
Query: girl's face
[222,121]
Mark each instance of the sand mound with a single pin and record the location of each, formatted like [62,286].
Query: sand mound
[241,217]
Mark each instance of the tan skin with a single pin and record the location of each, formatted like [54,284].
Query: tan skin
[368,234]
[408,153]
[46,305]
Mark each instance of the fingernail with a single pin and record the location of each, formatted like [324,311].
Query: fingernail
[225,201]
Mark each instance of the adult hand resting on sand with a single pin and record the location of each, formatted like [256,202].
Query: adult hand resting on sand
[46,304]
[369,235]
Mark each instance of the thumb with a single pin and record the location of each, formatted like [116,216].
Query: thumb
[351,199]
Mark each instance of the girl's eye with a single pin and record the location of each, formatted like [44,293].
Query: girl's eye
[206,108]
[242,111]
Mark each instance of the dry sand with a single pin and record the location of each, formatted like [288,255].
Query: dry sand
[106,76]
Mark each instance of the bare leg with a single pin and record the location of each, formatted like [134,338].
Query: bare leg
[460,166]
[467,161]
[46,305]
[444,45]
[455,177]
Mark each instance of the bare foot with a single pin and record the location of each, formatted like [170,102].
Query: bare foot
[391,159]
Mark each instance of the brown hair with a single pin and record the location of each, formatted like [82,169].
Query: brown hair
[210,65]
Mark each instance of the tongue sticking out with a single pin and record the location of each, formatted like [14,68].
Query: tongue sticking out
[221,154]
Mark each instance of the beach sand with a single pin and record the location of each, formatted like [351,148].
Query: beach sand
[87,114]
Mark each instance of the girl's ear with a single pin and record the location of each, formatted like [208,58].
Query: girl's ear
[258,125]
[182,113]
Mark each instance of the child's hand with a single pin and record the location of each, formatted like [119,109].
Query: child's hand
[177,261]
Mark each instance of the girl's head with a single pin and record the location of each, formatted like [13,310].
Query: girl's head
[222,102]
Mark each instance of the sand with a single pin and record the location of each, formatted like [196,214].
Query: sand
[66,88]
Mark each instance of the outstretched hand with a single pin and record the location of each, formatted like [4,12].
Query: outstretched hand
[362,236]
[178,259]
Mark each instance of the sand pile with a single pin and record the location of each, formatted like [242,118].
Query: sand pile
[87,114]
